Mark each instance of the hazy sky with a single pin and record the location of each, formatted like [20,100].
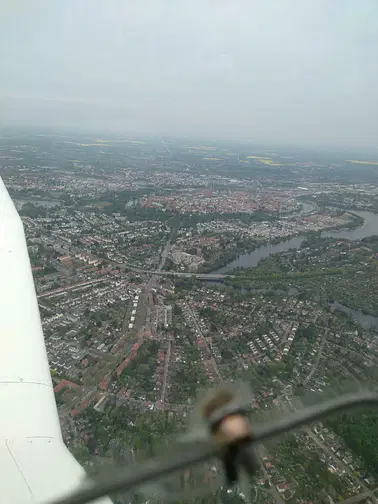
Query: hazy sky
[301,71]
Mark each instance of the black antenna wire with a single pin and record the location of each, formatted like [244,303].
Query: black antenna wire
[313,414]
[123,480]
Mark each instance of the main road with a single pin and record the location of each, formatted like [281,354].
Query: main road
[159,271]
[194,319]
[152,281]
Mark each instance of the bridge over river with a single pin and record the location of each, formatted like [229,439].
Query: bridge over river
[199,276]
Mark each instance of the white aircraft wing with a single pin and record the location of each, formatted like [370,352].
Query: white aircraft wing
[35,465]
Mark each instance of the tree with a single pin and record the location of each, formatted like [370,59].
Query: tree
[81,453]
[33,211]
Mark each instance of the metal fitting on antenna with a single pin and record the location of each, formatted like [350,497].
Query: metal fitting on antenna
[229,427]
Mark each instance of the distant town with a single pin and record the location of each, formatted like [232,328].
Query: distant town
[163,266]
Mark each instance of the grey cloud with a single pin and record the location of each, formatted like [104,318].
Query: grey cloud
[289,70]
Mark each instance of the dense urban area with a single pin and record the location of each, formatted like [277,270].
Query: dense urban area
[165,266]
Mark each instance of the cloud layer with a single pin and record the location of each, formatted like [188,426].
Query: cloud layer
[288,71]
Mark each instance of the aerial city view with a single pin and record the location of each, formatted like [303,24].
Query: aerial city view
[199,212]
[157,274]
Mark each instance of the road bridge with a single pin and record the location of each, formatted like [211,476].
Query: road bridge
[199,276]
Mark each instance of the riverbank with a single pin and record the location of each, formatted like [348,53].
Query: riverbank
[230,255]
[360,316]
[251,259]
[367,226]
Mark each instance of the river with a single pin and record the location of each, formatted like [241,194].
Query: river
[366,321]
[251,259]
[369,227]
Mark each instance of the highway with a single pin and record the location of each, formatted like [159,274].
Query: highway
[161,272]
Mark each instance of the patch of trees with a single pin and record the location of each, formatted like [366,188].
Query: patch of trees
[47,270]
[360,433]
[33,211]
